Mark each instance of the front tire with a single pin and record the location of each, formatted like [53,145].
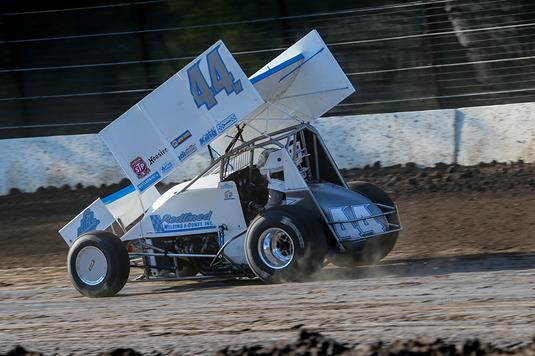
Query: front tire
[98,264]
[285,244]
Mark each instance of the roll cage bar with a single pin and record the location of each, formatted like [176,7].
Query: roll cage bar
[273,138]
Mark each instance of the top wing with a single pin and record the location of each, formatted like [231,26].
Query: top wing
[204,102]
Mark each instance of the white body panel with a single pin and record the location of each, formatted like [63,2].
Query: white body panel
[123,206]
[95,217]
[196,211]
[127,204]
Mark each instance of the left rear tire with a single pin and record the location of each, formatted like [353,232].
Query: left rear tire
[98,264]
[373,250]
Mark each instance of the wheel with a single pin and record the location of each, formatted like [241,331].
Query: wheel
[285,243]
[375,249]
[187,269]
[98,264]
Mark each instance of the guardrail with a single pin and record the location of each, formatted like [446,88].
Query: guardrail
[466,136]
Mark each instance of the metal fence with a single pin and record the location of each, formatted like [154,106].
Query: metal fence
[67,69]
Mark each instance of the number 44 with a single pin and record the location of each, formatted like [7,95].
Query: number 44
[220,77]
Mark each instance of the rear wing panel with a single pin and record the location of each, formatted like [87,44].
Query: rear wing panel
[181,116]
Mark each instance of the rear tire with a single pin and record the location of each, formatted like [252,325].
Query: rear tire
[375,249]
[187,270]
[98,264]
[284,244]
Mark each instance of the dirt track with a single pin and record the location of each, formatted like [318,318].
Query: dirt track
[487,297]
[483,216]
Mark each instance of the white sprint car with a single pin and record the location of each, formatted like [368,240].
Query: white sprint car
[271,204]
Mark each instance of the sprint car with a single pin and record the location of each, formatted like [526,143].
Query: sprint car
[270,204]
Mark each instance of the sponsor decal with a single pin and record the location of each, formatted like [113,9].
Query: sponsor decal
[152,159]
[88,222]
[226,186]
[183,222]
[149,181]
[187,152]
[229,195]
[180,139]
[208,137]
[139,167]
[167,167]
[225,124]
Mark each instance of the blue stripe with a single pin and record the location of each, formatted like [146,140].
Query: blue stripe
[299,66]
[276,69]
[118,194]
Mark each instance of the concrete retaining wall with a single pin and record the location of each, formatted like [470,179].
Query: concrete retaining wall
[501,132]
[424,137]
[467,136]
[30,163]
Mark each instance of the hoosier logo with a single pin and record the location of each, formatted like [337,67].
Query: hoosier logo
[139,167]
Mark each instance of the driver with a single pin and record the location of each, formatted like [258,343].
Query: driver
[275,197]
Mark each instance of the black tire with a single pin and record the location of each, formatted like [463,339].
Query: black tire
[303,228]
[375,249]
[187,270]
[116,270]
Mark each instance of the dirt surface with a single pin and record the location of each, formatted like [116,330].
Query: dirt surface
[463,267]
[486,177]
[314,343]
[489,297]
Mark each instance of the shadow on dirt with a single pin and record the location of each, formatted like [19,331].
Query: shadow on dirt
[395,268]
[433,266]
[191,286]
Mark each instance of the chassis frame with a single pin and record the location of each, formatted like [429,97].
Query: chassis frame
[320,166]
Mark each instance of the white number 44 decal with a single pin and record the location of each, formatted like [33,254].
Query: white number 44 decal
[355,229]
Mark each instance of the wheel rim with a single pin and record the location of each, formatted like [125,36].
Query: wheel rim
[276,248]
[91,265]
